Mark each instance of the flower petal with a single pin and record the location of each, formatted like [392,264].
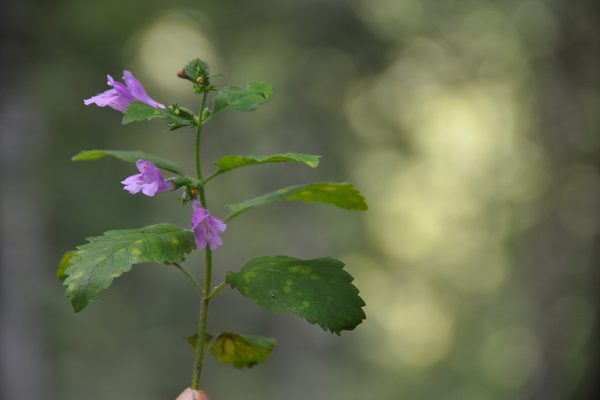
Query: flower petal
[138,91]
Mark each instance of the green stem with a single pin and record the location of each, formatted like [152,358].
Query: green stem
[211,176]
[217,289]
[191,277]
[198,137]
[200,344]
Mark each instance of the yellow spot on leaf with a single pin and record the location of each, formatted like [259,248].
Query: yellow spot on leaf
[287,289]
[77,275]
[135,251]
[300,269]
[175,241]
[248,276]
[305,304]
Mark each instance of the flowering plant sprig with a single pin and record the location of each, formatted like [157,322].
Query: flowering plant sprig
[318,290]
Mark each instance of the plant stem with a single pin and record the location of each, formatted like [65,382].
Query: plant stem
[200,344]
[217,289]
[198,137]
[191,277]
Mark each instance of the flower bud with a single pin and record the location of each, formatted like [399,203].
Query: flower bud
[200,80]
[181,74]
[189,394]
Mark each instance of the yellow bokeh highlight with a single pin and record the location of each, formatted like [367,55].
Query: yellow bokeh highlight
[166,44]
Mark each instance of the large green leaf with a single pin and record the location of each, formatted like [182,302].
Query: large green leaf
[247,98]
[242,350]
[343,195]
[129,156]
[95,264]
[138,111]
[232,161]
[317,290]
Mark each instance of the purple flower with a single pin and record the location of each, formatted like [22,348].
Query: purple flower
[207,229]
[121,95]
[149,181]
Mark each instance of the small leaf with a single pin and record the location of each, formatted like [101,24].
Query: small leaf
[193,340]
[318,290]
[138,111]
[95,264]
[343,195]
[178,117]
[65,262]
[195,69]
[229,162]
[242,350]
[248,98]
[128,156]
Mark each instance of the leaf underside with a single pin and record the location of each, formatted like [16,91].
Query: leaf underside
[343,195]
[232,161]
[129,156]
[318,290]
[242,350]
[94,265]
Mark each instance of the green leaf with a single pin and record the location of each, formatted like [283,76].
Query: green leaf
[248,98]
[242,350]
[138,111]
[229,162]
[128,156]
[95,264]
[65,262]
[178,117]
[317,290]
[195,69]
[193,340]
[343,195]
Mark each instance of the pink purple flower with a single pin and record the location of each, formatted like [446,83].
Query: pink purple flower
[149,181]
[121,95]
[207,229]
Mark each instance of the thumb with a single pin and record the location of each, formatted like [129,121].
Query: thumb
[189,394]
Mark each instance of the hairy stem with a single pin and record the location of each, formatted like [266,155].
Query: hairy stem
[217,289]
[200,344]
[198,137]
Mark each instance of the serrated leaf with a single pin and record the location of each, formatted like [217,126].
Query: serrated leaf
[128,156]
[318,290]
[247,98]
[193,340]
[138,111]
[95,264]
[195,69]
[242,350]
[232,161]
[63,265]
[343,195]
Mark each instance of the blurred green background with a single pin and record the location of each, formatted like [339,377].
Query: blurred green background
[471,127]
